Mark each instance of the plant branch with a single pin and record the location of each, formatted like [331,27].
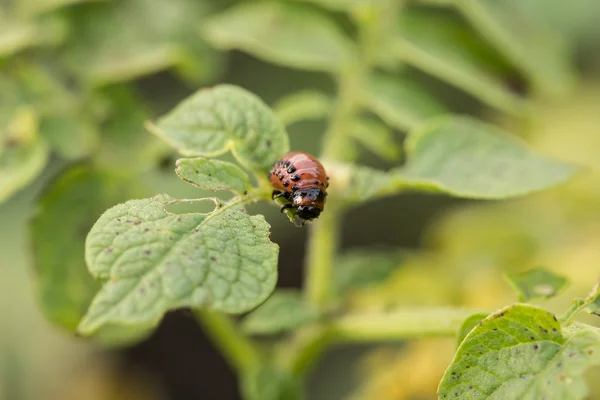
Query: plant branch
[579,305]
[238,350]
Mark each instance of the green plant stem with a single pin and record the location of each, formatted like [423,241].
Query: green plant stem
[237,349]
[578,306]
[308,344]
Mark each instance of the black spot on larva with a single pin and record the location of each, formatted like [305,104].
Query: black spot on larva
[291,169]
[295,177]
[295,187]
[213,259]
[286,183]
[287,163]
[147,252]
[109,250]
[281,176]
[268,143]
[535,346]
[280,162]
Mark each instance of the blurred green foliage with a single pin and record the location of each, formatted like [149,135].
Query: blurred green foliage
[76,84]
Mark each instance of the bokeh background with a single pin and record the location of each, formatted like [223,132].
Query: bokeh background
[93,71]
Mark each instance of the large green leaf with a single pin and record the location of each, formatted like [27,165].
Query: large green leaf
[521,352]
[365,267]
[302,106]
[221,118]
[117,41]
[534,47]
[281,33]
[213,174]
[285,310]
[150,261]
[467,158]
[23,154]
[443,47]
[400,103]
[65,212]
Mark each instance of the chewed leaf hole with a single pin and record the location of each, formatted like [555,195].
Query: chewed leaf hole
[188,206]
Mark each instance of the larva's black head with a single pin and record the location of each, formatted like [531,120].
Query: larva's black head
[308,212]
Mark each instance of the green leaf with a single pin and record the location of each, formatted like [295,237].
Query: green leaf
[400,103]
[213,174]
[284,311]
[520,352]
[537,283]
[472,159]
[23,154]
[150,261]
[282,33]
[71,136]
[152,37]
[445,48]
[344,5]
[365,267]
[221,118]
[469,324]
[66,211]
[302,106]
[269,383]
[535,48]
[376,137]
[593,301]
[126,146]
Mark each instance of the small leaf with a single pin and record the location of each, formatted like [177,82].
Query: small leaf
[593,301]
[365,267]
[468,326]
[23,154]
[71,136]
[444,47]
[520,352]
[537,283]
[281,33]
[225,117]
[150,261]
[266,382]
[303,106]
[284,311]
[467,158]
[376,137]
[213,174]
[400,103]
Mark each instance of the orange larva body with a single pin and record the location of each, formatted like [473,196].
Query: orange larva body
[301,179]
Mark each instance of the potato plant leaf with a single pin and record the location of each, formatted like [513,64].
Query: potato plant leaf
[467,158]
[376,137]
[150,261]
[400,103]
[445,48]
[468,326]
[303,106]
[537,283]
[281,33]
[23,154]
[221,118]
[593,301]
[213,174]
[364,267]
[521,352]
[284,311]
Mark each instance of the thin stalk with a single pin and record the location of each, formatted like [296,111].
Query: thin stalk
[238,350]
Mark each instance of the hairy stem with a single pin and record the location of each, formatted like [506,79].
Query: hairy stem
[238,350]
